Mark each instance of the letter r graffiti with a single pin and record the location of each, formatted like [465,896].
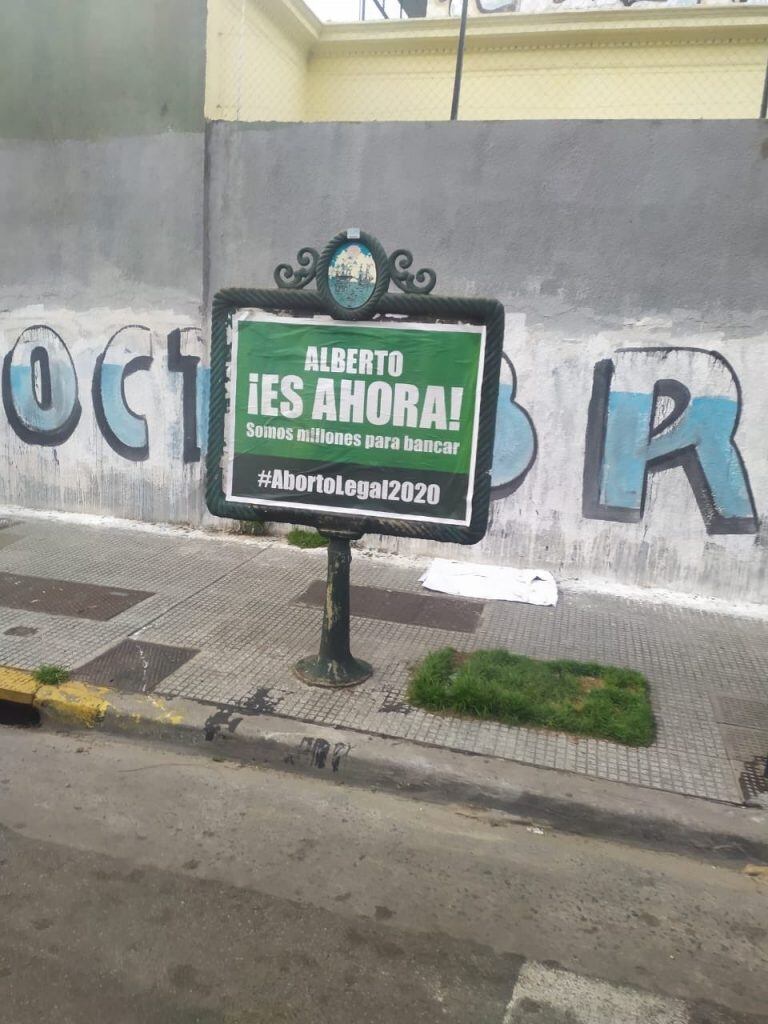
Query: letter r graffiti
[656,408]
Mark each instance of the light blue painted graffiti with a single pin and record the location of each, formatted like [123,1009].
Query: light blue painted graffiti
[39,388]
[127,352]
[514,450]
[684,411]
[130,429]
[202,397]
[706,425]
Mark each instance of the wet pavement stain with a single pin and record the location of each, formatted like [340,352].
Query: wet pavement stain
[393,705]
[224,717]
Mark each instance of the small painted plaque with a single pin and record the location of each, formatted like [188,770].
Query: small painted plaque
[352,275]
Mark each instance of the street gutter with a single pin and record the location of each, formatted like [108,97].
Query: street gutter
[720,833]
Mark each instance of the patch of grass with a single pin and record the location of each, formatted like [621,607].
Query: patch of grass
[570,696]
[253,527]
[306,539]
[50,675]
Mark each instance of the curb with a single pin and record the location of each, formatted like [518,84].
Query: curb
[503,792]
[17,686]
[71,703]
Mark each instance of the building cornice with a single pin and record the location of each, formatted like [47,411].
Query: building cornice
[629,27]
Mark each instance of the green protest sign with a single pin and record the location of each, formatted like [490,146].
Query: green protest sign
[377,418]
[353,410]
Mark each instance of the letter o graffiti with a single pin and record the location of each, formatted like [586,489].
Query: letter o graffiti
[39,388]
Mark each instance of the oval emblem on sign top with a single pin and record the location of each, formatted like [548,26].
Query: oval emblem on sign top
[352,275]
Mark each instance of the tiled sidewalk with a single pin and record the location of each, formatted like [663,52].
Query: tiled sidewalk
[225,620]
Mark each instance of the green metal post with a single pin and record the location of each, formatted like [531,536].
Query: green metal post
[335,666]
[459,61]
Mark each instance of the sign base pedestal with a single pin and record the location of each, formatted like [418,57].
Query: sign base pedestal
[317,671]
[335,667]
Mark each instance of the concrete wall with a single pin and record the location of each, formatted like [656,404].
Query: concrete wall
[632,261]
[95,68]
[101,256]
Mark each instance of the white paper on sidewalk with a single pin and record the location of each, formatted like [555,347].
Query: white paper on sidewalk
[492,582]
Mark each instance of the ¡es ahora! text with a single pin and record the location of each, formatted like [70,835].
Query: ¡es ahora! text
[378,403]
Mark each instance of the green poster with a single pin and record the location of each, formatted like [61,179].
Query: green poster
[373,418]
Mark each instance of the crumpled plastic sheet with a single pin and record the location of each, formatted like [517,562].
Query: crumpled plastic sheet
[491,582]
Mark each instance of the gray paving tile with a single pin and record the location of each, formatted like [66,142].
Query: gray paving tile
[236,602]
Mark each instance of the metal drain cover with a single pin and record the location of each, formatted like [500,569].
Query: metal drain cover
[65,597]
[453,613]
[753,781]
[134,666]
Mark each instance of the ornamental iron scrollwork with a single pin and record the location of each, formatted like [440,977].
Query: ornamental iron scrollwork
[390,269]
[286,277]
[420,283]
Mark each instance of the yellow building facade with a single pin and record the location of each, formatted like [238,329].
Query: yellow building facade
[273,60]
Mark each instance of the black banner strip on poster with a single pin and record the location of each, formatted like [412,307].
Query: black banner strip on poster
[332,486]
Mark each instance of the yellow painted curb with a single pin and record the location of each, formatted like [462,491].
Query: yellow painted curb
[17,686]
[165,713]
[77,704]
[74,703]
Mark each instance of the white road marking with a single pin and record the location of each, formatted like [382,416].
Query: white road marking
[546,995]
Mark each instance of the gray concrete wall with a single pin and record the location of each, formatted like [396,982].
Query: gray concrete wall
[586,221]
[625,253]
[101,255]
[598,237]
[101,68]
[102,224]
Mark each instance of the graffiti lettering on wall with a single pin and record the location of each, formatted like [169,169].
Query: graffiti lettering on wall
[516,444]
[651,410]
[41,390]
[656,408]
[39,386]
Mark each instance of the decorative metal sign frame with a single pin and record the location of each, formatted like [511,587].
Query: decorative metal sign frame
[416,303]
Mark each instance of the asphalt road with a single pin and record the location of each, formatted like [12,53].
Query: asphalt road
[139,884]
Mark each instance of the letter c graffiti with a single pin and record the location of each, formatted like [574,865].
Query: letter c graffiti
[39,386]
[128,351]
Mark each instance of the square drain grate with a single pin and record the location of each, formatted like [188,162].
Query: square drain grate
[64,597]
[134,666]
[453,613]
[744,744]
[754,781]
[749,714]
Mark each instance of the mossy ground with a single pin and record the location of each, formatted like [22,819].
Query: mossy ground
[577,697]
[306,539]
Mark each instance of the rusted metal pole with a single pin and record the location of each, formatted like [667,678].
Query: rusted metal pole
[335,665]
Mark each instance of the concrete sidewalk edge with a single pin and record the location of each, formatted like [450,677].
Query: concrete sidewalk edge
[507,792]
